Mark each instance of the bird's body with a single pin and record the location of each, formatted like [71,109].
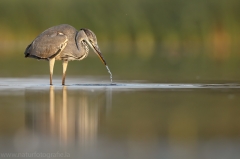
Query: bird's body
[63,42]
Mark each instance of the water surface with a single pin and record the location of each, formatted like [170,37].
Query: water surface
[133,119]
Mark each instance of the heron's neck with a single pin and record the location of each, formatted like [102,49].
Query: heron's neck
[85,48]
[81,45]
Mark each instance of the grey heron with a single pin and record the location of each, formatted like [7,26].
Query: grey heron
[63,42]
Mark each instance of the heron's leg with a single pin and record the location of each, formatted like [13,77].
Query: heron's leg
[65,63]
[51,65]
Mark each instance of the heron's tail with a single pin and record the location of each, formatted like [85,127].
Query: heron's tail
[26,53]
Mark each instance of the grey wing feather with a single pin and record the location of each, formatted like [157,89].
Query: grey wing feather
[47,45]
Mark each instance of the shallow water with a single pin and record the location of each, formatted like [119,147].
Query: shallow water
[133,119]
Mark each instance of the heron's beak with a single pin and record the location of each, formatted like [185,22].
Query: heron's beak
[97,51]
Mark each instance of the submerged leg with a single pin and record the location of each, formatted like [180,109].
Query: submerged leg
[65,63]
[51,65]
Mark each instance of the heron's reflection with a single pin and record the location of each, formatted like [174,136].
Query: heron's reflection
[67,115]
[52,108]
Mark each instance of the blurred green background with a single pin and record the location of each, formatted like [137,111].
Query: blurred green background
[157,40]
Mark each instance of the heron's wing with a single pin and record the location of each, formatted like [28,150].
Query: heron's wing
[47,45]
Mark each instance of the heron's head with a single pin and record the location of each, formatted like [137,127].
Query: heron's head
[91,40]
